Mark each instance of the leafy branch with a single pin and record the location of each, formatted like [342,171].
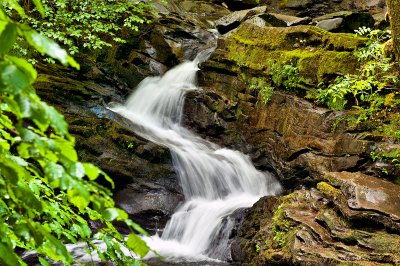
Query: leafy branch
[47,195]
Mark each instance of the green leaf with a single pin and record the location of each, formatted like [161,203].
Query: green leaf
[110,214]
[76,169]
[8,37]
[7,256]
[137,245]
[46,46]
[24,104]
[9,171]
[16,6]
[91,171]
[24,66]
[39,7]
[64,147]
[136,227]
[79,196]
[27,197]
[44,262]
[56,119]
[3,22]
[54,173]
[13,79]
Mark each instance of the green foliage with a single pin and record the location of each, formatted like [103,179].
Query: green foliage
[85,24]
[370,90]
[280,226]
[287,77]
[283,76]
[46,195]
[392,158]
[264,89]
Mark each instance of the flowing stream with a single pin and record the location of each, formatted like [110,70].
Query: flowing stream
[215,181]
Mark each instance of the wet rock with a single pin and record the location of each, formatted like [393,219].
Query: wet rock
[279,20]
[369,194]
[298,3]
[146,183]
[323,226]
[315,8]
[257,21]
[318,54]
[344,21]
[233,20]
[241,4]
[330,24]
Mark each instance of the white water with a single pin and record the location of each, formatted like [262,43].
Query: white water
[215,181]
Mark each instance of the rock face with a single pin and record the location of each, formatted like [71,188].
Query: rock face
[312,8]
[354,221]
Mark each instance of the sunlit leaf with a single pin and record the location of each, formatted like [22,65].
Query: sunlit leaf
[13,79]
[8,37]
[111,214]
[91,171]
[24,66]
[137,245]
[56,119]
[16,6]
[7,256]
[44,262]
[39,7]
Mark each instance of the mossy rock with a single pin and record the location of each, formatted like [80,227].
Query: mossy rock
[318,54]
[307,228]
[287,38]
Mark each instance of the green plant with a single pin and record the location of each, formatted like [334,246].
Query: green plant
[283,76]
[264,89]
[46,195]
[280,226]
[84,24]
[392,158]
[371,89]
[287,77]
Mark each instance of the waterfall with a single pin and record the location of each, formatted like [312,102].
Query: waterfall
[215,181]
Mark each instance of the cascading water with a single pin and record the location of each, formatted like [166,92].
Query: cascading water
[215,181]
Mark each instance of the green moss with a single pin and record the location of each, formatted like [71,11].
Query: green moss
[320,55]
[287,38]
[316,65]
[386,243]
[280,226]
[343,41]
[329,190]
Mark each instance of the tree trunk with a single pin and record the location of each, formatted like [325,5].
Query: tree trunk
[394,15]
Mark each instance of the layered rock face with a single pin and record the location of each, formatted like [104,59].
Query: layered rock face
[348,219]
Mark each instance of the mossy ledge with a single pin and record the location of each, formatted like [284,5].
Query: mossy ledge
[320,55]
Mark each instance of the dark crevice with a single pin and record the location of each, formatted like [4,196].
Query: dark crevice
[297,154]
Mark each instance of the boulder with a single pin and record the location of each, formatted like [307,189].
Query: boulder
[330,24]
[279,20]
[315,8]
[234,19]
[318,54]
[349,219]
[241,4]
[345,21]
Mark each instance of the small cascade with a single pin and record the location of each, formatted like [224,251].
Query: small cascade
[215,181]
